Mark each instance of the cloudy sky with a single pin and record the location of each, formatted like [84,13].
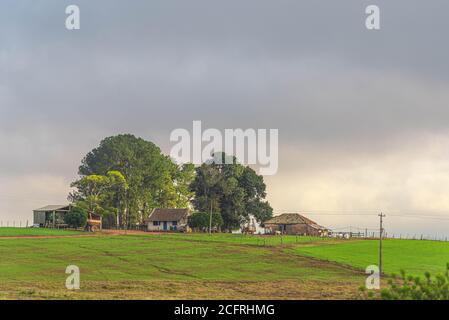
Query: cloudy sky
[362,115]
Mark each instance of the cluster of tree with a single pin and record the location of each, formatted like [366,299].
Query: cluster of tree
[230,189]
[126,177]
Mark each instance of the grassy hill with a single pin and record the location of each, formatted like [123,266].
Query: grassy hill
[168,267]
[199,266]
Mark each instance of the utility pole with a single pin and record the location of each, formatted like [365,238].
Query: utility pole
[381,215]
[210,219]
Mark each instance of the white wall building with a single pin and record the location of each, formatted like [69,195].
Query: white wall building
[168,219]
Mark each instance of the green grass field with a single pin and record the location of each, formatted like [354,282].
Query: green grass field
[413,256]
[201,266]
[167,267]
[241,239]
[33,232]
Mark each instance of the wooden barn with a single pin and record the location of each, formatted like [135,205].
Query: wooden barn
[295,224]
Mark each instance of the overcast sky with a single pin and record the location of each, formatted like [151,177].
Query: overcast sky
[362,115]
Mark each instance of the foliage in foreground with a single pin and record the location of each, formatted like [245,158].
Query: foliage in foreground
[415,288]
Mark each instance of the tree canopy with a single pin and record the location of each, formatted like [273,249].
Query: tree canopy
[127,177]
[233,190]
[130,176]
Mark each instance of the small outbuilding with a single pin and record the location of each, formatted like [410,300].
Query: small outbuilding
[168,219]
[295,224]
[51,216]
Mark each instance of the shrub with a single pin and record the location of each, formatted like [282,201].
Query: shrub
[405,287]
[76,218]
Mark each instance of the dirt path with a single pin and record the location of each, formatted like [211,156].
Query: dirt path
[54,237]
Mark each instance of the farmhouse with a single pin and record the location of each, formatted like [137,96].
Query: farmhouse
[50,216]
[168,219]
[294,223]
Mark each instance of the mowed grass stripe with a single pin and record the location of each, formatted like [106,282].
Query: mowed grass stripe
[111,258]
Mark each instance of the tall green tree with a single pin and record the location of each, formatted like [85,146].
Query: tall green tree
[93,192]
[208,187]
[201,221]
[153,179]
[231,189]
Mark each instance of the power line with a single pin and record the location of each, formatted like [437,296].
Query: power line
[359,213]
[419,216]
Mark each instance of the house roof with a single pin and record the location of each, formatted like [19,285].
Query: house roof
[293,218]
[160,214]
[54,207]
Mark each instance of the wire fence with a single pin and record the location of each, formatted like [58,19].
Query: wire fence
[339,233]
[388,235]
[15,224]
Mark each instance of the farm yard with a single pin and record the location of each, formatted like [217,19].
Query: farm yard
[200,266]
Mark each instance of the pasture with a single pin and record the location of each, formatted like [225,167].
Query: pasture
[200,266]
[413,256]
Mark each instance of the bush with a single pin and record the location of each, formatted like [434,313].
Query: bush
[76,218]
[415,288]
[201,220]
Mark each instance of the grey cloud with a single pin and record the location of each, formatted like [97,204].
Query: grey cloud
[308,68]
